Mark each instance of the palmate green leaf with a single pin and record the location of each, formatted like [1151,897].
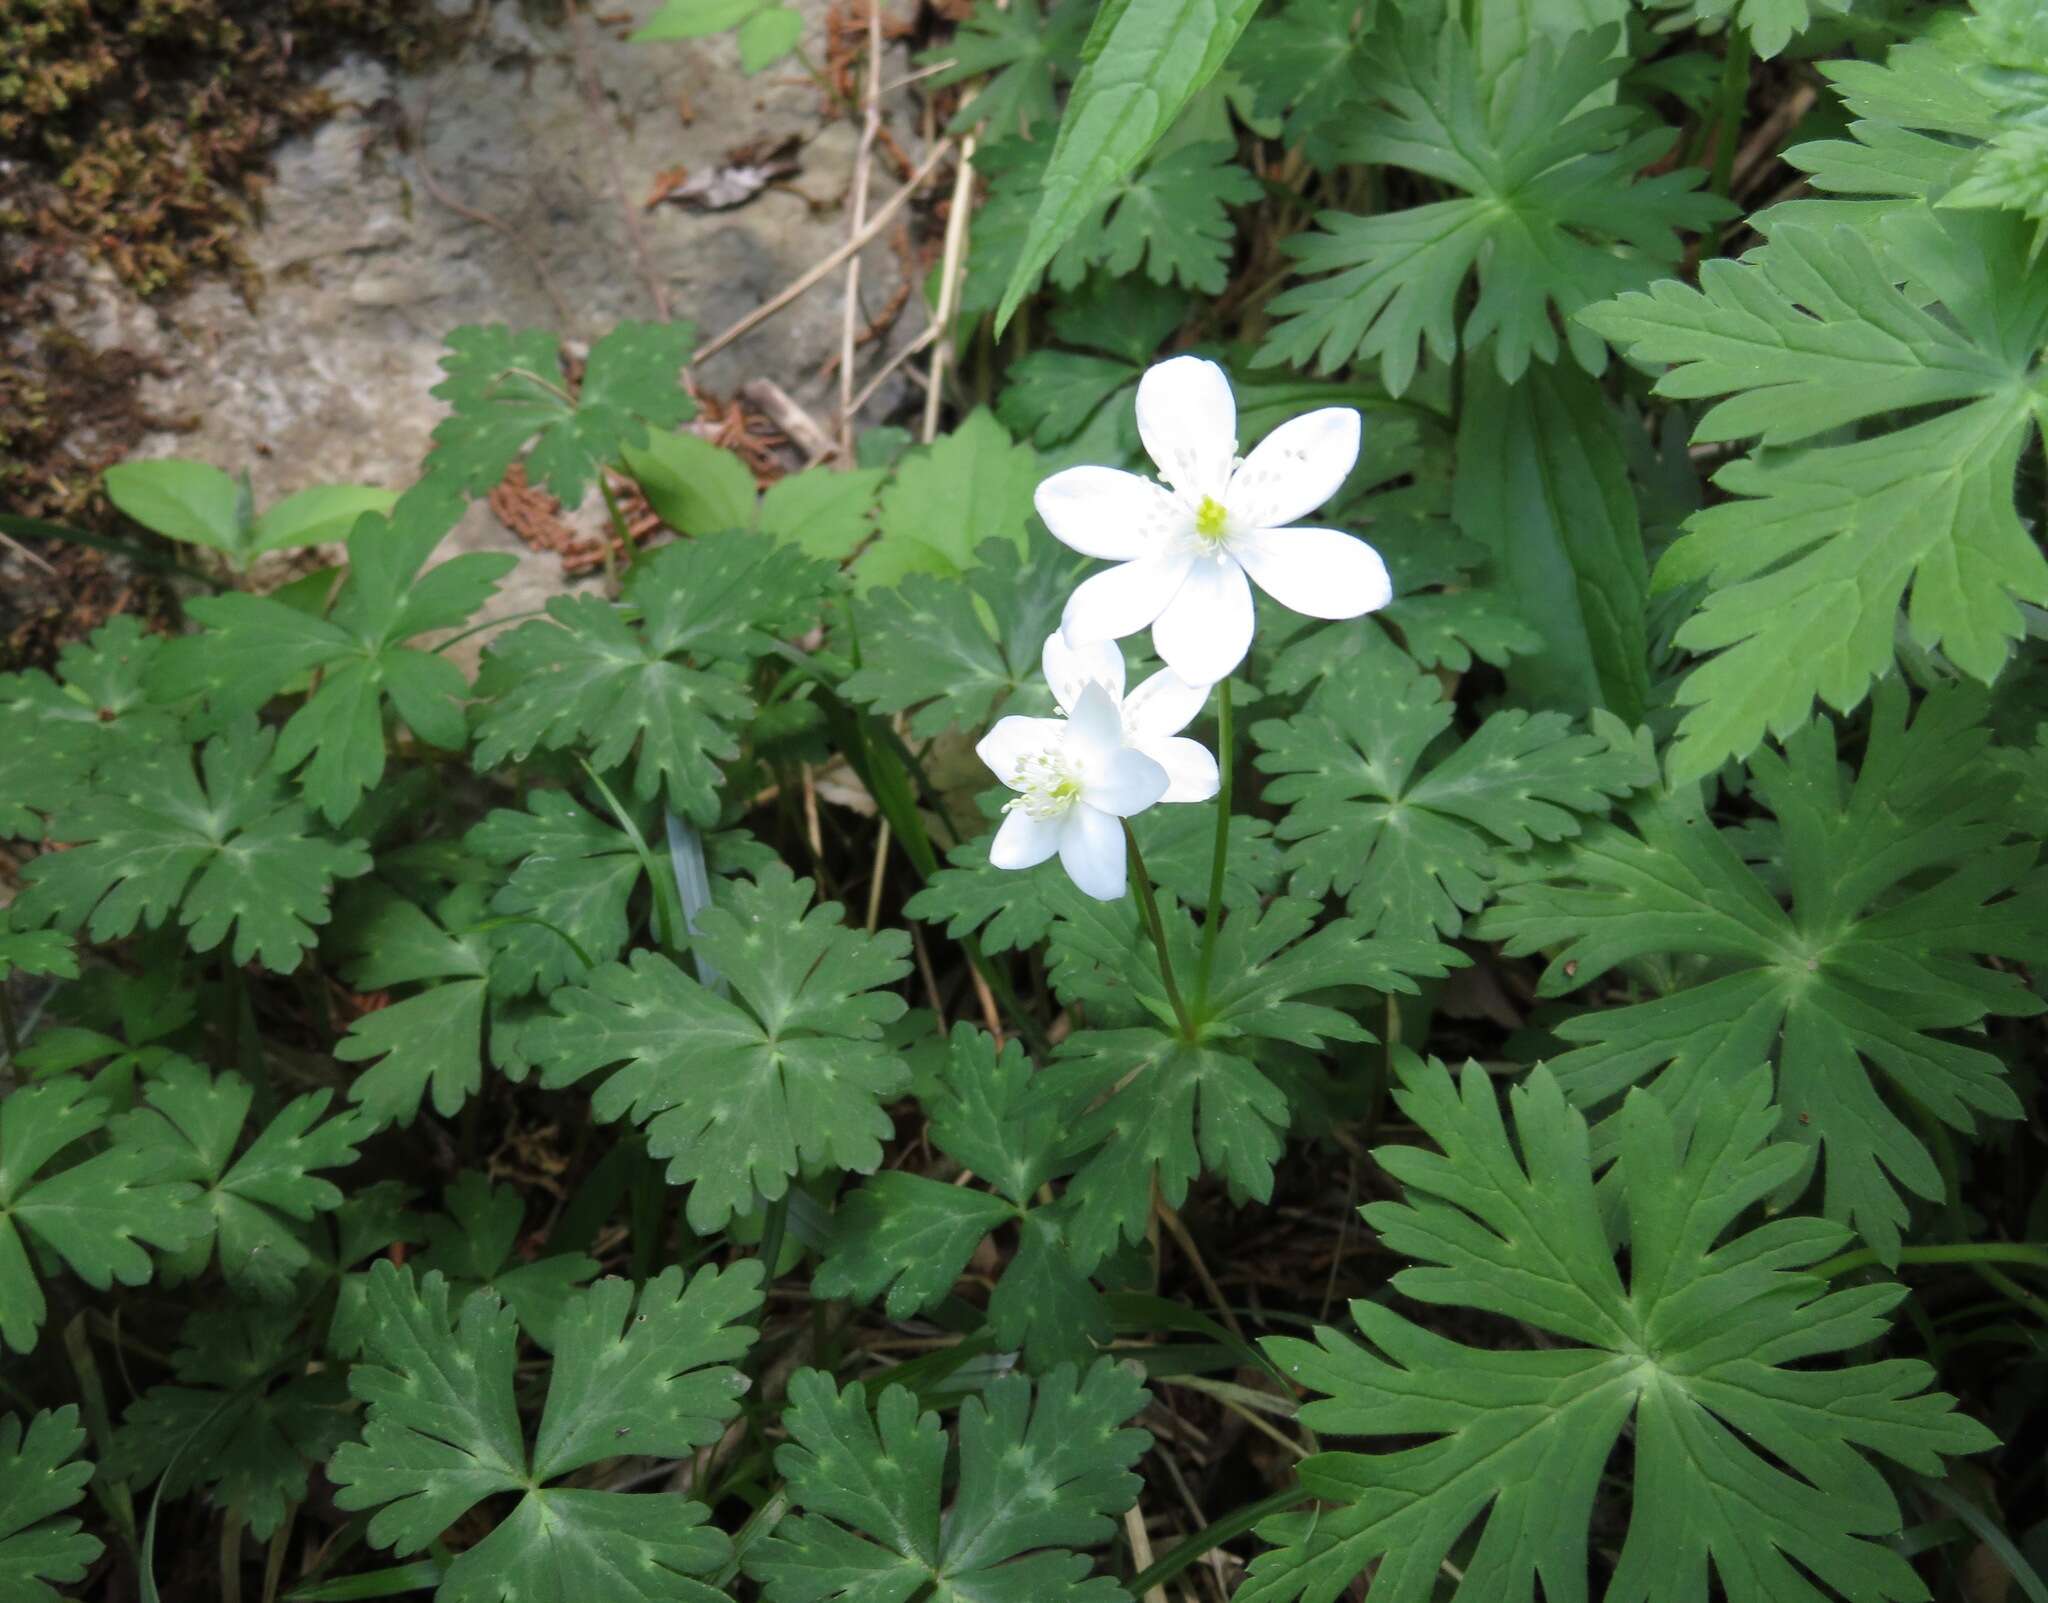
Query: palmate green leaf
[431,1041]
[1143,62]
[912,1237]
[1308,59]
[475,1244]
[224,848]
[1148,1108]
[1049,396]
[574,880]
[872,1486]
[1807,567]
[1169,218]
[1024,51]
[144,1012]
[56,733]
[1952,115]
[1896,884]
[243,1420]
[928,643]
[948,500]
[1746,1469]
[1015,911]
[663,689]
[1414,845]
[1552,217]
[739,1093]
[576,874]
[41,1477]
[643,1375]
[37,952]
[255,1205]
[92,1216]
[257,647]
[509,400]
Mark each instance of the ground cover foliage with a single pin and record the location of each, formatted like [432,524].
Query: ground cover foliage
[1550,1113]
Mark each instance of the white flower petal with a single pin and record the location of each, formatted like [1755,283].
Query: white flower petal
[1014,739]
[1188,421]
[1295,469]
[1206,631]
[1071,669]
[1321,573]
[1163,705]
[1122,600]
[1126,782]
[1191,773]
[1092,852]
[1095,730]
[1104,512]
[1024,841]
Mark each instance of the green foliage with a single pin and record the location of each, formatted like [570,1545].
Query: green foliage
[1691,784]
[258,647]
[223,846]
[1821,329]
[871,1487]
[55,734]
[201,505]
[254,1204]
[228,1424]
[767,32]
[1892,886]
[1551,217]
[93,1214]
[947,499]
[1694,1348]
[510,401]
[1024,51]
[39,1479]
[912,1236]
[963,671]
[656,681]
[1413,845]
[1144,60]
[1154,1110]
[740,1093]
[641,1374]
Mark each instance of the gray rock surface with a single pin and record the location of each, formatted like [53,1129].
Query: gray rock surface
[366,265]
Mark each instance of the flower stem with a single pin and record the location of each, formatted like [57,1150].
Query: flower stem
[1212,915]
[2033,1254]
[1150,904]
[619,525]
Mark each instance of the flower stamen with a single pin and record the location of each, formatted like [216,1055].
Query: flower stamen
[1045,784]
[1212,520]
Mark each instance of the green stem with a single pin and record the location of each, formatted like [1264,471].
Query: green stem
[2004,1283]
[1212,915]
[1150,906]
[2032,1254]
[1728,109]
[772,1231]
[611,505]
[1212,1536]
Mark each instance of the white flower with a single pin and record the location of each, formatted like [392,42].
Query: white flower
[1075,778]
[1153,715]
[1184,549]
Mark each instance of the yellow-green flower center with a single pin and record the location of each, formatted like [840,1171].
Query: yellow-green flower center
[1047,786]
[1211,519]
